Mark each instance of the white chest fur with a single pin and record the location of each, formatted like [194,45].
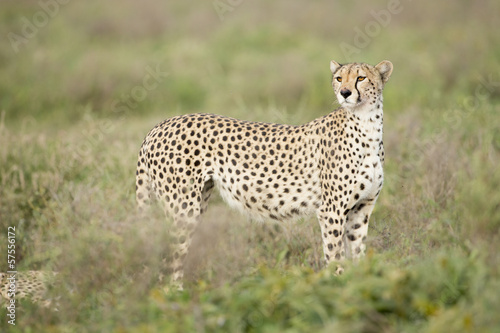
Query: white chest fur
[369,175]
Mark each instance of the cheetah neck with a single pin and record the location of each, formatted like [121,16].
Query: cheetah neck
[370,119]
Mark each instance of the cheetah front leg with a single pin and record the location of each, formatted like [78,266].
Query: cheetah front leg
[356,228]
[332,226]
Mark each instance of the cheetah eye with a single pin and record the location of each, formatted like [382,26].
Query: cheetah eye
[361,78]
[338,78]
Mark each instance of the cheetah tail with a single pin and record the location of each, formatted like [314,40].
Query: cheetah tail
[142,182]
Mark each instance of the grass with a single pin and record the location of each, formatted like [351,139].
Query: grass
[76,105]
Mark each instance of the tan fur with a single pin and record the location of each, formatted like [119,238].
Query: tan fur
[32,285]
[331,166]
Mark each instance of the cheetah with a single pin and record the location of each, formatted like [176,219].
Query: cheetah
[330,167]
[32,285]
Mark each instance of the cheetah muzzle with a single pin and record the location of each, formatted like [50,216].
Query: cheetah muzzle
[331,166]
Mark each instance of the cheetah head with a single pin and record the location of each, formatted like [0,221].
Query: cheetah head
[358,85]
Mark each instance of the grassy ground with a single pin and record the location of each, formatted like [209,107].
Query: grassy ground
[80,89]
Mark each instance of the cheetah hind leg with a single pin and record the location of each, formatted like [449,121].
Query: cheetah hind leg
[182,234]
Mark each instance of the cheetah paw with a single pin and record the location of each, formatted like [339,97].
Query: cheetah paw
[339,270]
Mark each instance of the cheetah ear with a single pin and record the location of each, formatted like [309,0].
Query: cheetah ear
[334,66]
[385,70]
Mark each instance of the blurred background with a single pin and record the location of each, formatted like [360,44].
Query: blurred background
[59,61]
[82,82]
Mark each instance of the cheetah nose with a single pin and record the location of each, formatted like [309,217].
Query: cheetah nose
[345,93]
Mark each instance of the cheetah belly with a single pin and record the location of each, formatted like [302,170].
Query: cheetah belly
[262,200]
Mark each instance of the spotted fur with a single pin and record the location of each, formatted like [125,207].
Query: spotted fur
[331,166]
[31,285]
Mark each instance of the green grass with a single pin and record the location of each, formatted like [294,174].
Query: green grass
[70,130]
